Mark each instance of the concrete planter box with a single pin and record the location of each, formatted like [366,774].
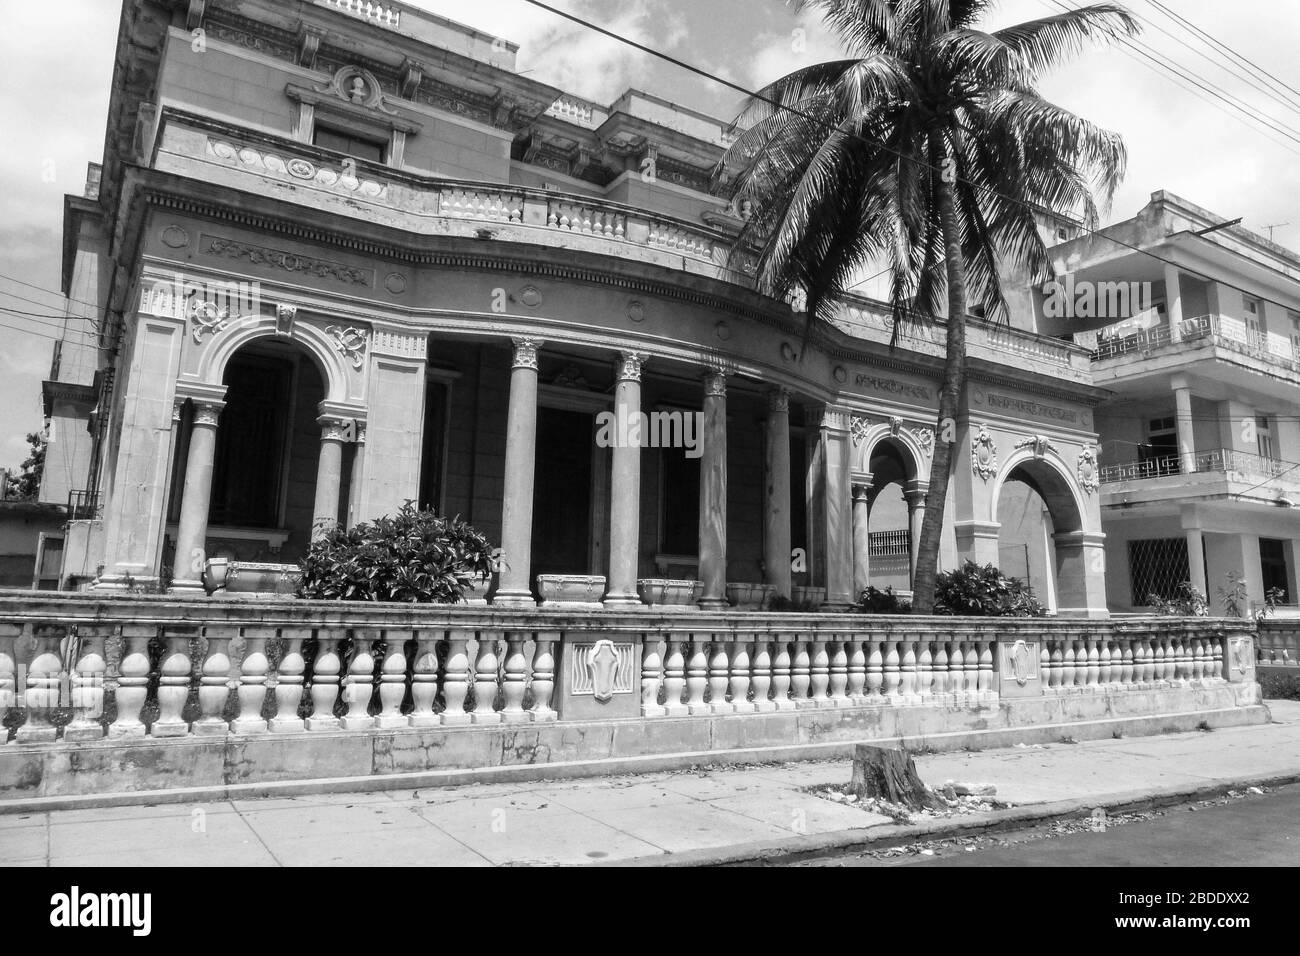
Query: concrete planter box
[476,593]
[751,596]
[245,577]
[571,589]
[668,592]
[804,595]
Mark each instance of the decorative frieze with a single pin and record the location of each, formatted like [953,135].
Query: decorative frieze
[984,454]
[266,162]
[350,342]
[400,343]
[288,261]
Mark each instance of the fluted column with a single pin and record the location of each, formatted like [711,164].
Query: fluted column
[625,498]
[776,511]
[521,458]
[192,532]
[861,534]
[329,477]
[713,493]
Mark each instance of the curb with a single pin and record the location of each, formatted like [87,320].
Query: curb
[843,842]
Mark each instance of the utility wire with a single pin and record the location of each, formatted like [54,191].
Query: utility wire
[41,288]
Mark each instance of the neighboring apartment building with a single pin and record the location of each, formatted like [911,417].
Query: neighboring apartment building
[1200,445]
[346,256]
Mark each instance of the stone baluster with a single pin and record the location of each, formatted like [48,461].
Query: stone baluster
[1198,660]
[325,682]
[1125,652]
[782,675]
[8,669]
[837,689]
[1159,656]
[289,678]
[392,681]
[424,679]
[252,681]
[44,674]
[928,681]
[875,672]
[87,685]
[132,681]
[1103,663]
[1045,664]
[1056,679]
[358,685]
[697,676]
[543,680]
[674,678]
[985,681]
[1138,650]
[455,684]
[1216,657]
[1182,660]
[909,691]
[719,664]
[855,686]
[1067,666]
[1081,665]
[819,672]
[893,686]
[971,673]
[761,669]
[486,665]
[174,681]
[801,675]
[949,680]
[214,681]
[515,679]
[1093,674]
[652,676]
[740,679]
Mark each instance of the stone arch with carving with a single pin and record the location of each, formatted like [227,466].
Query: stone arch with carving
[344,380]
[904,440]
[1052,479]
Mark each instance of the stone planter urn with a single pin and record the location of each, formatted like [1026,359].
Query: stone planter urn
[807,596]
[247,577]
[571,590]
[475,594]
[216,572]
[750,597]
[668,593]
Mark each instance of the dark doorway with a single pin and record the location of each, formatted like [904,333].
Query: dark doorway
[249,464]
[1272,566]
[562,493]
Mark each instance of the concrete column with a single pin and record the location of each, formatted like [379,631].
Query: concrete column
[1173,300]
[1184,424]
[329,477]
[713,493]
[1081,574]
[1195,561]
[776,512]
[521,461]
[356,479]
[838,502]
[625,497]
[395,392]
[861,533]
[915,494]
[192,532]
[977,541]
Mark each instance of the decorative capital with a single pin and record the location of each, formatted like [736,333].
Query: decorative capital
[331,429]
[715,383]
[984,454]
[351,342]
[208,413]
[629,366]
[778,401]
[861,488]
[526,353]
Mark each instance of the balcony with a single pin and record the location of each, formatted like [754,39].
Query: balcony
[1230,334]
[1224,471]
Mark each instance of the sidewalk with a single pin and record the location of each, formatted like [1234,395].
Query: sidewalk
[695,816]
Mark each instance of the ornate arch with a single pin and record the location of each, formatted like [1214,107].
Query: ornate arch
[916,443]
[1054,482]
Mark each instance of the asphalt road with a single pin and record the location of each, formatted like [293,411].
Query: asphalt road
[1253,830]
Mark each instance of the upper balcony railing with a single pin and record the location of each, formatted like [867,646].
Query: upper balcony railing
[322,178]
[1239,465]
[1221,331]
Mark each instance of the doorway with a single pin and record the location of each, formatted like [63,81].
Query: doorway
[562,492]
[1272,567]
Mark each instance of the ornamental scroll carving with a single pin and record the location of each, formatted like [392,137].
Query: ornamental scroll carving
[1088,471]
[351,342]
[1040,444]
[925,438]
[858,427]
[984,454]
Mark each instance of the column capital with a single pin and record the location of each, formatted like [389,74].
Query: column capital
[331,428]
[861,487]
[778,400]
[525,352]
[208,412]
[715,383]
[629,366]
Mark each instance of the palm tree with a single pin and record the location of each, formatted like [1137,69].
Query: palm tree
[927,147]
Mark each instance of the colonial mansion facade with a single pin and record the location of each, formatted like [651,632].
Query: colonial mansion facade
[344,255]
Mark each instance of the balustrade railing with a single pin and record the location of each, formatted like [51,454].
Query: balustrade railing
[105,670]
[1206,461]
[1221,331]
[1278,644]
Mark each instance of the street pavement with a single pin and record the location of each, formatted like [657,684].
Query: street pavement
[705,816]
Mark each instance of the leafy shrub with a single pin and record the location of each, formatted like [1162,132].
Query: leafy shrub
[1275,686]
[1235,595]
[875,601]
[1186,602]
[412,556]
[984,592]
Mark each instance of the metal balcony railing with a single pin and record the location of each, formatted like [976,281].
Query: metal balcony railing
[1207,461]
[1221,331]
[83,505]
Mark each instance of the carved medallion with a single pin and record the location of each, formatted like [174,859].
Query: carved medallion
[351,342]
[206,319]
[636,311]
[395,283]
[1089,473]
[840,374]
[858,427]
[602,663]
[359,87]
[530,296]
[984,454]
[925,438]
[174,237]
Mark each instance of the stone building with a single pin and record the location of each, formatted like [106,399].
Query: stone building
[346,256]
[1200,439]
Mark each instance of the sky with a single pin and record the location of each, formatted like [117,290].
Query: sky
[60,57]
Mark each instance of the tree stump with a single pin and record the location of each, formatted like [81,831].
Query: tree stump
[889,774]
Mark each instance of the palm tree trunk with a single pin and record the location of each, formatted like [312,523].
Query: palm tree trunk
[954,374]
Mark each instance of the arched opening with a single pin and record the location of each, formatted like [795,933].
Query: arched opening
[1038,516]
[890,557]
[267,455]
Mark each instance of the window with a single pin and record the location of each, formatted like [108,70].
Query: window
[680,495]
[1159,456]
[341,141]
[1252,314]
[1295,333]
[1157,566]
[1264,437]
